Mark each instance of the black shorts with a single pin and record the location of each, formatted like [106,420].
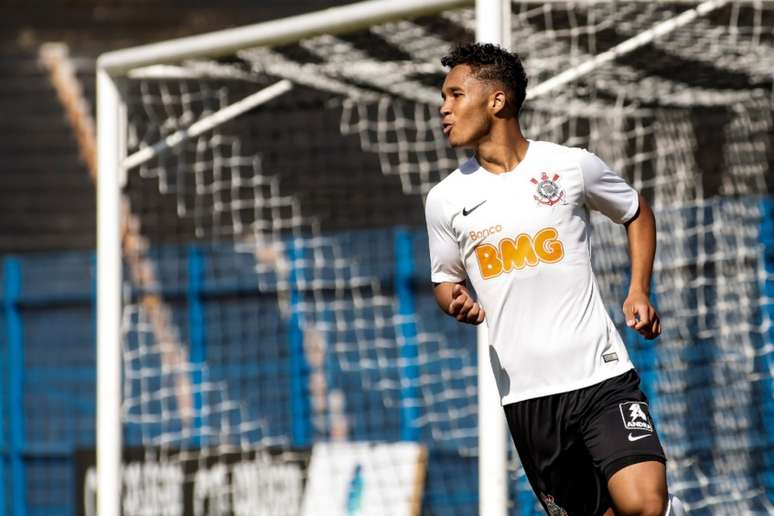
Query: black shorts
[571,443]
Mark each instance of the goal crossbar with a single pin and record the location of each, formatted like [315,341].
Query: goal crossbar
[334,20]
[287,30]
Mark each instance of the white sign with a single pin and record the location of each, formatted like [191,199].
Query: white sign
[365,479]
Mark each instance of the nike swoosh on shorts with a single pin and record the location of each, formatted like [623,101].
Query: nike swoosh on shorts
[633,438]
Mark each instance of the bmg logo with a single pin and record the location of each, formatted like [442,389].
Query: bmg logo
[517,253]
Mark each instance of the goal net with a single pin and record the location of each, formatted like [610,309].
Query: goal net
[282,351]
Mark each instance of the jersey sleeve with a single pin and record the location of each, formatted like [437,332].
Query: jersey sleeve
[607,192]
[445,260]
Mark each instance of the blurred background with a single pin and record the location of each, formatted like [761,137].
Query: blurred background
[276,279]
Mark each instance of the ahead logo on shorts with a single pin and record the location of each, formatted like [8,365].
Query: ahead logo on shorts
[635,417]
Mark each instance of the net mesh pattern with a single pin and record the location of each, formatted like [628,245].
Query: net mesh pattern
[267,260]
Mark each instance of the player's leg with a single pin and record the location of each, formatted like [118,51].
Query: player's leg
[554,456]
[621,438]
[674,508]
[639,489]
[629,496]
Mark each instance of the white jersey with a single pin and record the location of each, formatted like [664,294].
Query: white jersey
[522,239]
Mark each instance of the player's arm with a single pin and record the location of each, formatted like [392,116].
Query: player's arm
[638,311]
[447,270]
[609,194]
[456,300]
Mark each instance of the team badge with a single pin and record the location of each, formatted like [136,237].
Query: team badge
[548,191]
[551,506]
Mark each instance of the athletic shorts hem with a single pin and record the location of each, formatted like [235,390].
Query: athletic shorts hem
[616,464]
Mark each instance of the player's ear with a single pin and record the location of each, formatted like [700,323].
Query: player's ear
[498,102]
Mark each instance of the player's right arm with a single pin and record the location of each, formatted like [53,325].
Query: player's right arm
[447,269]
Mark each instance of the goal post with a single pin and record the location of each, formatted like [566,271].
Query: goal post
[266,332]
[493,25]
[111,124]
[112,128]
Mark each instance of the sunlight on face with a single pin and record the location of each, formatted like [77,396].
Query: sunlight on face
[464,112]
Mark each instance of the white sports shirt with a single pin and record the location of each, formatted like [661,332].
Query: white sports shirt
[522,238]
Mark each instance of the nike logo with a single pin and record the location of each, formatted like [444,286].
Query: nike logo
[466,212]
[633,438]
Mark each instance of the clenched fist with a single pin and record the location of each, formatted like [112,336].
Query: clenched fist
[641,316]
[464,308]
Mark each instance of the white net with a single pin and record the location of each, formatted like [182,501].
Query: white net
[277,275]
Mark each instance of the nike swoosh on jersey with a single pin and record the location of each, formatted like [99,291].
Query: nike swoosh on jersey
[466,212]
[633,438]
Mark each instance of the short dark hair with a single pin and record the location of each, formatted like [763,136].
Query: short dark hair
[492,63]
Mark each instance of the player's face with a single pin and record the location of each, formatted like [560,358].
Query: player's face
[465,117]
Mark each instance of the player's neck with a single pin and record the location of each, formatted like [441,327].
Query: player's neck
[503,150]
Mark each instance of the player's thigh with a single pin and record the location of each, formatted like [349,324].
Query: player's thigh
[621,431]
[567,483]
[555,458]
[639,489]
[624,446]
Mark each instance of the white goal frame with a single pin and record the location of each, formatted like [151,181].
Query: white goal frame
[112,69]
[492,19]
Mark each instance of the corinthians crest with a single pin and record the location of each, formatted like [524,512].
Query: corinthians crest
[548,191]
[551,505]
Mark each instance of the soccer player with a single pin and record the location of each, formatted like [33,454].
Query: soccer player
[514,220]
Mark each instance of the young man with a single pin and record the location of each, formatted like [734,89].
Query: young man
[514,219]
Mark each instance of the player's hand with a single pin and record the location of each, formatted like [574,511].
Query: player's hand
[464,308]
[641,316]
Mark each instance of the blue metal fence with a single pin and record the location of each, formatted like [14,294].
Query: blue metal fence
[16,371]
[47,379]
[409,352]
[765,361]
[47,362]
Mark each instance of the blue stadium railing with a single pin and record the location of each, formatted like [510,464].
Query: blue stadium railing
[48,381]
[766,357]
[48,375]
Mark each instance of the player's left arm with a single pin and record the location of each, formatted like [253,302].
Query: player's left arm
[638,311]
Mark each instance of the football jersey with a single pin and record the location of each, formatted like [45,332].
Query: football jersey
[522,240]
